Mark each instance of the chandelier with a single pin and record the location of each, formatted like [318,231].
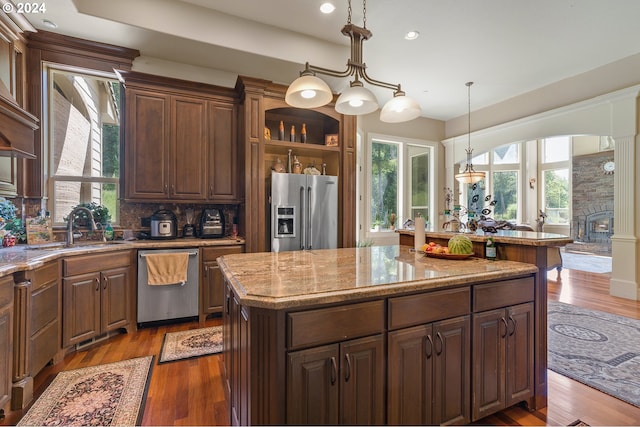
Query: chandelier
[309,91]
[469,176]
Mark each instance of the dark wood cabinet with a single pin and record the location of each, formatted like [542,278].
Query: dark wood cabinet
[262,109]
[37,320]
[503,348]
[211,281]
[428,381]
[223,152]
[96,302]
[179,141]
[341,383]
[166,146]
[6,339]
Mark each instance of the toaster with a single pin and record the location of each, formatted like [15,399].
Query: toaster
[211,223]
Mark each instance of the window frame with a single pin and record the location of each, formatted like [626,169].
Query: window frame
[50,178]
[404,181]
[552,166]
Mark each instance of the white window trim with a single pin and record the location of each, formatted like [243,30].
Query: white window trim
[365,219]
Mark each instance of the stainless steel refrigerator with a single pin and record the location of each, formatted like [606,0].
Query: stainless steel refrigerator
[304,212]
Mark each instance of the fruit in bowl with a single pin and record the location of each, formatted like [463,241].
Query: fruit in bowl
[435,248]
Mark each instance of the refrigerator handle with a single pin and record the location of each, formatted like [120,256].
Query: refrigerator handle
[303,226]
[310,229]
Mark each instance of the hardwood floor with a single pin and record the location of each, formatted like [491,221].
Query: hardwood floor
[190,392]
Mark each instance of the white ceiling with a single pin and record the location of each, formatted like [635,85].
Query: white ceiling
[507,47]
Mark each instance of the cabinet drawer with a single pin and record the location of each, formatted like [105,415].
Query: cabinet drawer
[428,307]
[43,276]
[502,294]
[210,254]
[92,263]
[314,327]
[44,346]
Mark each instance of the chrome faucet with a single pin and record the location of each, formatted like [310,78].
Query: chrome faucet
[70,222]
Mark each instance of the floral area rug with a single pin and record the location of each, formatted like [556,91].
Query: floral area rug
[105,395]
[191,343]
[598,349]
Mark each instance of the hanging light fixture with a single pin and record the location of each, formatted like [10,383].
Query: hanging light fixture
[469,176]
[309,91]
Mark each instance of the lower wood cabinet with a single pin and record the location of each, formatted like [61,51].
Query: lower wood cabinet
[428,377]
[96,301]
[337,384]
[6,339]
[211,282]
[503,358]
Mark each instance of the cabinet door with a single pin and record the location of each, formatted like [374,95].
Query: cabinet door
[81,308]
[223,183]
[362,383]
[489,333]
[410,376]
[115,298]
[6,338]
[519,353]
[212,287]
[451,393]
[227,348]
[146,145]
[312,386]
[188,149]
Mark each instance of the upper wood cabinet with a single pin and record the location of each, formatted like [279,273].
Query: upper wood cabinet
[179,141]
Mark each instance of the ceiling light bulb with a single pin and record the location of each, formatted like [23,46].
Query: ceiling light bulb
[400,109]
[356,102]
[308,94]
[327,8]
[412,35]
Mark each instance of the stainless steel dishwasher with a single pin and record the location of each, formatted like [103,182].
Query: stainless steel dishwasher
[168,302]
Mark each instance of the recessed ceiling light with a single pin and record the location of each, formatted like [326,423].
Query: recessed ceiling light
[412,35]
[327,8]
[49,24]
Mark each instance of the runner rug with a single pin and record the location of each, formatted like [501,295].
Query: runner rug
[191,343]
[598,349]
[105,395]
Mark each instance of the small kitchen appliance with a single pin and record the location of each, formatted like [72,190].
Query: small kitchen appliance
[163,225]
[211,223]
[189,229]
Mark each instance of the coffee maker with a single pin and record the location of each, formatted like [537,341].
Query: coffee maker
[211,223]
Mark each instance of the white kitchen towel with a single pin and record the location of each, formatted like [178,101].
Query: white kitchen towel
[419,235]
[167,268]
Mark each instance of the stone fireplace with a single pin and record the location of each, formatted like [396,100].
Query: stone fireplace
[592,224]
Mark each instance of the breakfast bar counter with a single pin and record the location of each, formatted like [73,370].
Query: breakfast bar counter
[378,335]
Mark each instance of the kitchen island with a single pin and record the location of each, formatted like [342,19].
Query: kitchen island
[378,335]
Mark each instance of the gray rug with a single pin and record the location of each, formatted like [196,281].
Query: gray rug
[598,349]
[590,263]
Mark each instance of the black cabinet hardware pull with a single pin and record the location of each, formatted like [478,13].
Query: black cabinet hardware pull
[334,370]
[347,374]
[513,322]
[506,328]
[428,346]
[439,340]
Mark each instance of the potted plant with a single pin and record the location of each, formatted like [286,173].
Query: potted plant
[100,214]
[10,225]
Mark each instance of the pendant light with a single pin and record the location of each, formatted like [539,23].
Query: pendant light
[469,176]
[309,91]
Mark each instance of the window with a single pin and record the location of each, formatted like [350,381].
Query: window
[84,141]
[400,180]
[502,167]
[556,153]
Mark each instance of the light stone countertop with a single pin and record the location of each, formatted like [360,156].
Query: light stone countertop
[514,237]
[29,257]
[302,278]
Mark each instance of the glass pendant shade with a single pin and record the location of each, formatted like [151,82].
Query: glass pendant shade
[399,109]
[469,176]
[356,100]
[308,91]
